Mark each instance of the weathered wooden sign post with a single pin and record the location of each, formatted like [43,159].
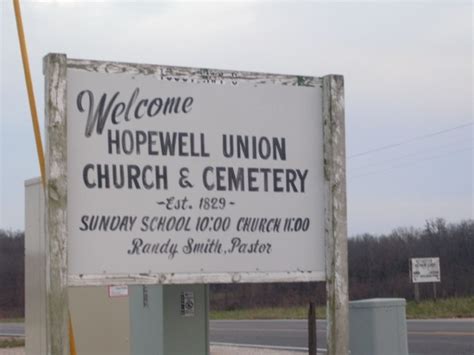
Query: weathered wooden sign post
[170,175]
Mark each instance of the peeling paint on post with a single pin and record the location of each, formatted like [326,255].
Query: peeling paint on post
[180,279]
[56,204]
[192,75]
[337,308]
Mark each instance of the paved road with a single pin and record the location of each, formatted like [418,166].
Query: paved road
[434,337]
[12,329]
[440,337]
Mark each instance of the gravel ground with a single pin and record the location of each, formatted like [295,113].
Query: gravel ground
[215,350]
[12,351]
[227,350]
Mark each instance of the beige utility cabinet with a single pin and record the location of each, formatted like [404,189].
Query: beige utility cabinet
[165,320]
[101,323]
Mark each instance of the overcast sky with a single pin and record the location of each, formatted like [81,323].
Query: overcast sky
[407,68]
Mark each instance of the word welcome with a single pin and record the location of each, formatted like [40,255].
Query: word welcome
[124,110]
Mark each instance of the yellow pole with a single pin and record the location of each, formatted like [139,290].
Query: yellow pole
[36,129]
[29,88]
[72,342]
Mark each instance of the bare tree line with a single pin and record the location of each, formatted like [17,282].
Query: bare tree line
[12,269]
[378,267]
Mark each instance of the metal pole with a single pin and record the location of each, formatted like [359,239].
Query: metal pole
[312,341]
[417,292]
[434,291]
[29,88]
[35,121]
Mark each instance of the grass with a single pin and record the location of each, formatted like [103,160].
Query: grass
[268,313]
[12,320]
[11,343]
[443,308]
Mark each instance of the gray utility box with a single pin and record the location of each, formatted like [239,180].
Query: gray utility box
[378,327]
[169,320]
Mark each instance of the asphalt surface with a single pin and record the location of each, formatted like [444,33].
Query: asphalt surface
[440,337]
[434,337]
[12,329]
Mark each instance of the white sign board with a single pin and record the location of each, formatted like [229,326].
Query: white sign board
[425,270]
[181,177]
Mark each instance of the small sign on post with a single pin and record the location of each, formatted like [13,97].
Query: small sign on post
[118,291]
[187,304]
[424,270]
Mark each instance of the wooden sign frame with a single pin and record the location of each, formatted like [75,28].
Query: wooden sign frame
[55,69]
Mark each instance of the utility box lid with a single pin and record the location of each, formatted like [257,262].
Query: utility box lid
[378,303]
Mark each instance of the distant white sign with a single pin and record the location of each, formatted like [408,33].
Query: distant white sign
[425,270]
[178,177]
